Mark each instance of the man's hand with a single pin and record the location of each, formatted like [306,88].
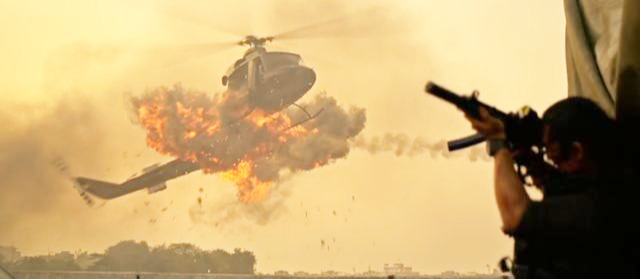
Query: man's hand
[491,127]
[511,197]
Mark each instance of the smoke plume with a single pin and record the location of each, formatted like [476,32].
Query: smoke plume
[403,145]
[31,182]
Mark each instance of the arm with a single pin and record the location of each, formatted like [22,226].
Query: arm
[564,215]
[511,198]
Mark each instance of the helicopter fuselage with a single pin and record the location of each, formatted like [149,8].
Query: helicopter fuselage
[275,80]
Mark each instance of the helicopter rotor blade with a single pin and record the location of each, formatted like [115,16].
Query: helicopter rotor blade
[76,58]
[174,13]
[201,48]
[182,54]
[332,27]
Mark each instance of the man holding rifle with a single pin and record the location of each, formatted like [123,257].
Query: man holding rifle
[579,229]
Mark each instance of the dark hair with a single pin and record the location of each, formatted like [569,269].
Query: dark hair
[578,119]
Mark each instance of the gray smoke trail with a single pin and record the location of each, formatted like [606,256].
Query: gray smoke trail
[403,145]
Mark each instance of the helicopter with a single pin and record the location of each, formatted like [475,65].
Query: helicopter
[271,80]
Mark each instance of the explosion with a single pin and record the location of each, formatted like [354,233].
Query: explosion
[245,145]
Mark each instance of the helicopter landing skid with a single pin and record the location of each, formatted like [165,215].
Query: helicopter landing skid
[309,116]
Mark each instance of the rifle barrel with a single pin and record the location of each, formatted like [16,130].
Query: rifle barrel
[465,142]
[469,105]
[445,94]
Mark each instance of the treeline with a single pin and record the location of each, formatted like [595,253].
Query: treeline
[136,257]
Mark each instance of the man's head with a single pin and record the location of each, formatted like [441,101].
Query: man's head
[578,135]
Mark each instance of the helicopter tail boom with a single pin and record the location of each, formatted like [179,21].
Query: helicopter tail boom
[100,189]
[153,179]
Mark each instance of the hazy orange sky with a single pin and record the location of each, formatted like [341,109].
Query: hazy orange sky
[68,65]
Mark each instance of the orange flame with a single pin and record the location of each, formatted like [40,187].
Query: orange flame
[250,188]
[180,124]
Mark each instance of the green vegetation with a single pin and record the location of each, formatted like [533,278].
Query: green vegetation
[137,257]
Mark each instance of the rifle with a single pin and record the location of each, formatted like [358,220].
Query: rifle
[524,130]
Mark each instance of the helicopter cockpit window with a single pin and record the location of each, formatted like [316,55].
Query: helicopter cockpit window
[279,59]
